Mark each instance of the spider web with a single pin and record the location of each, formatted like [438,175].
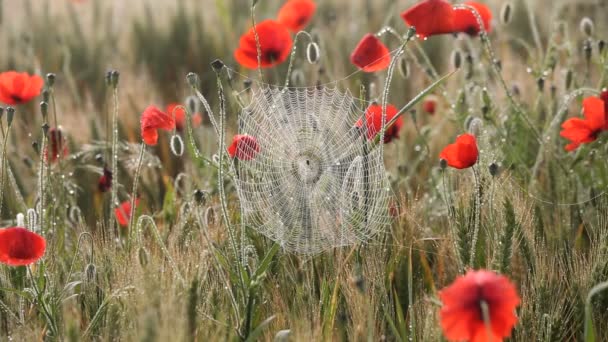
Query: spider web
[317,182]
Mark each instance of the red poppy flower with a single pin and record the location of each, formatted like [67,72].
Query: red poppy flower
[20,247]
[430,17]
[580,131]
[244,147]
[465,21]
[429,104]
[177,110]
[105,181]
[123,212]
[275,45]
[153,119]
[296,14]
[373,121]
[57,145]
[17,88]
[370,54]
[462,316]
[461,154]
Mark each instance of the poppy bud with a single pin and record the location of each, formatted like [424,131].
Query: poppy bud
[90,272]
[177,145]
[498,63]
[515,90]
[10,114]
[493,168]
[443,163]
[586,26]
[568,79]
[553,90]
[46,95]
[45,128]
[297,77]
[142,255]
[200,197]
[114,78]
[50,79]
[505,13]
[475,126]
[32,219]
[108,78]
[192,103]
[587,49]
[192,79]
[456,59]
[404,67]
[540,82]
[312,53]
[600,46]
[44,110]
[410,33]
[35,147]
[247,84]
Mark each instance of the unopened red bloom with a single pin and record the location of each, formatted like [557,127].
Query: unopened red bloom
[296,14]
[105,181]
[461,154]
[429,104]
[177,110]
[19,246]
[57,145]
[580,131]
[433,17]
[373,122]
[153,119]
[370,54]
[17,88]
[275,45]
[430,17]
[123,212]
[462,316]
[243,147]
[466,22]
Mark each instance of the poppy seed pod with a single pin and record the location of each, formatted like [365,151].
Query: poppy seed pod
[50,79]
[586,26]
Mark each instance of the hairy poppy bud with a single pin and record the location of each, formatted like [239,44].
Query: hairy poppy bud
[44,110]
[142,255]
[505,13]
[217,65]
[540,82]
[493,168]
[90,272]
[586,26]
[600,46]
[46,95]
[200,197]
[456,59]
[192,79]
[114,78]
[313,53]
[443,164]
[404,67]
[247,84]
[35,147]
[177,145]
[587,49]
[568,81]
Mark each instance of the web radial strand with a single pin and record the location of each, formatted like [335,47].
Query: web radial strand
[317,182]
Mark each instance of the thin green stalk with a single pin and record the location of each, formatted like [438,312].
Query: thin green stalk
[476,218]
[114,162]
[134,193]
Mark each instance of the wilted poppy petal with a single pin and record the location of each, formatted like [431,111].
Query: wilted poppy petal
[20,247]
[370,54]
[275,45]
[430,17]
[296,14]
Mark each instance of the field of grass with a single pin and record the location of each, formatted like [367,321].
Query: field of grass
[188,266]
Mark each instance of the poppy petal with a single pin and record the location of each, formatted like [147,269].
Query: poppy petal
[296,14]
[371,54]
[466,22]
[430,17]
